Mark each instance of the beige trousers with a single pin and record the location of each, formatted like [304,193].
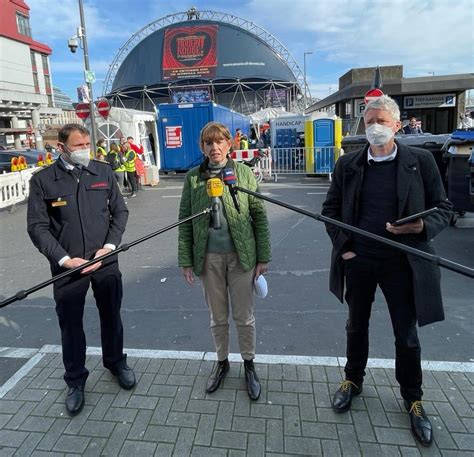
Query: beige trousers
[222,279]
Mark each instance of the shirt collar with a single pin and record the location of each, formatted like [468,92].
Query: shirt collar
[383,158]
[66,164]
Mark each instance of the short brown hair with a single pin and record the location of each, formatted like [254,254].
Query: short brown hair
[213,131]
[63,134]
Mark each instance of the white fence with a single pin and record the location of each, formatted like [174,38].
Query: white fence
[14,187]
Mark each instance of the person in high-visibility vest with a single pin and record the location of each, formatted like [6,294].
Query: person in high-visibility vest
[101,152]
[129,156]
[244,142]
[115,159]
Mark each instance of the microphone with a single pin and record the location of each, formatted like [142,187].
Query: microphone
[215,189]
[228,176]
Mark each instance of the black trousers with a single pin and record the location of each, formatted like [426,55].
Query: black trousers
[394,276]
[69,295]
[132,180]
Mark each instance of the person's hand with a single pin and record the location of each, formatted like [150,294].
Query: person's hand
[97,265]
[188,275]
[73,263]
[260,269]
[348,255]
[410,227]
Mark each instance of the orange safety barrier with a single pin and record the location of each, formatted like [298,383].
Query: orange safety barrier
[22,165]
[244,154]
[40,162]
[14,164]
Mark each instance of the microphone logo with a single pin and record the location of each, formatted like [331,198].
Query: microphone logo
[228,176]
[214,187]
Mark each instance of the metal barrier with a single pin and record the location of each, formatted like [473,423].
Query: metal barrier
[263,168]
[289,160]
[15,187]
[324,160]
[305,160]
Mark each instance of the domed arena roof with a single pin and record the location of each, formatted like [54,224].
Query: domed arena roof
[210,51]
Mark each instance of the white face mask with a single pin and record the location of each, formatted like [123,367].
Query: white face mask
[378,135]
[79,157]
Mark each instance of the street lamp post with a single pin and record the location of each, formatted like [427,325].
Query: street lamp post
[83,37]
[304,76]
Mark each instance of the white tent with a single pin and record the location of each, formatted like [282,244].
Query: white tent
[141,125]
[264,115]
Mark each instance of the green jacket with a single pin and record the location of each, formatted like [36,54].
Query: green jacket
[249,228]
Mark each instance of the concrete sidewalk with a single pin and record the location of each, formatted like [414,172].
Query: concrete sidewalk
[168,412]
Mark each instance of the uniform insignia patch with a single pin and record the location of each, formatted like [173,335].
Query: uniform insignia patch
[98,185]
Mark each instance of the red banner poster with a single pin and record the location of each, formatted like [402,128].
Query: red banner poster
[174,137]
[190,52]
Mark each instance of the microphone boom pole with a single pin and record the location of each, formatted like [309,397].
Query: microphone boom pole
[445,263]
[20,295]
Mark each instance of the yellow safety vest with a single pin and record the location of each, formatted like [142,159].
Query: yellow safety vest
[115,156]
[130,161]
[101,150]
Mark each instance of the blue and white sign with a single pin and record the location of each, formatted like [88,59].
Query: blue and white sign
[429,101]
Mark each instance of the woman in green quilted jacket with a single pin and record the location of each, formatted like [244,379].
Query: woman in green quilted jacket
[229,259]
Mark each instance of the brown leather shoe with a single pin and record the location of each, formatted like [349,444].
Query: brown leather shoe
[217,375]
[342,399]
[420,424]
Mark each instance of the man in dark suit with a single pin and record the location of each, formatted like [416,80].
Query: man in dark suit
[76,213]
[371,188]
[412,128]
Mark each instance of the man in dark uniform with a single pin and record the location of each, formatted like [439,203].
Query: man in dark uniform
[76,213]
[371,188]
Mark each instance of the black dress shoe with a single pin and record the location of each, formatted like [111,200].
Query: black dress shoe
[125,377]
[218,374]
[420,424]
[251,379]
[75,400]
[342,399]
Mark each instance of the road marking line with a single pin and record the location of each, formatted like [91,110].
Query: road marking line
[18,353]
[170,196]
[20,374]
[431,365]
[316,193]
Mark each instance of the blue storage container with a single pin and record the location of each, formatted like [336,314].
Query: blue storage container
[179,126]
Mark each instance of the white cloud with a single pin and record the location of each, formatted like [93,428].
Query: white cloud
[423,35]
[60,19]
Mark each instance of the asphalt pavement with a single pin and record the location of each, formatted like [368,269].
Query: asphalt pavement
[299,316]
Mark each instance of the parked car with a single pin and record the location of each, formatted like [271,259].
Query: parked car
[31,156]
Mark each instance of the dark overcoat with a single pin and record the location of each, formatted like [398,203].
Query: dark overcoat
[419,187]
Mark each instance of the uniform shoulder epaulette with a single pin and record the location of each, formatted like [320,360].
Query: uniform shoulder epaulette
[39,169]
[100,161]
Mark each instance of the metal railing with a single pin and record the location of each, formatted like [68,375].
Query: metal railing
[304,160]
[287,161]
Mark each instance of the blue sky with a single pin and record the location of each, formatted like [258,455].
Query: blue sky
[425,36]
